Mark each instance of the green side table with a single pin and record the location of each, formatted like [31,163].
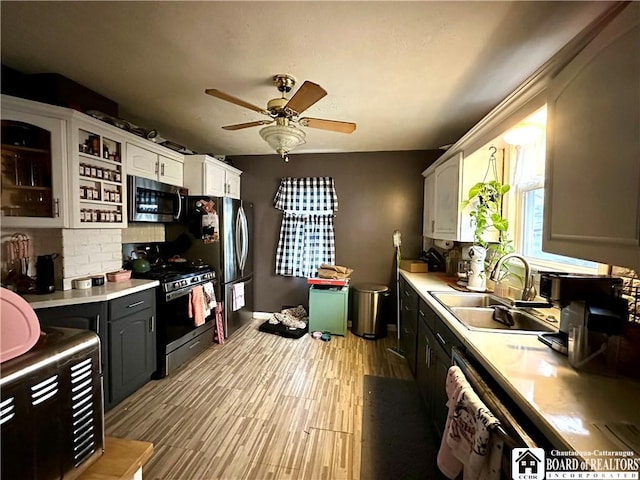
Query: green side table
[328,309]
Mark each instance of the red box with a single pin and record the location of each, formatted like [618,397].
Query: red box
[334,282]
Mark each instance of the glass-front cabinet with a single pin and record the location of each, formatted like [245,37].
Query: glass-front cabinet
[60,168]
[98,179]
[33,175]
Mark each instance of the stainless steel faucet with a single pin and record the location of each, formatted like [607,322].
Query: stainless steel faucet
[528,290]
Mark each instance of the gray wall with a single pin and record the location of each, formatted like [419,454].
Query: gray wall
[378,192]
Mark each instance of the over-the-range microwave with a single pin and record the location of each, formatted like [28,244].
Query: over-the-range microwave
[153,201]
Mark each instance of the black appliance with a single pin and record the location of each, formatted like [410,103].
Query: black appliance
[45,282]
[219,231]
[583,299]
[153,201]
[178,339]
[51,410]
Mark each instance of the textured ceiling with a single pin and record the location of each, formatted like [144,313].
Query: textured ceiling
[412,75]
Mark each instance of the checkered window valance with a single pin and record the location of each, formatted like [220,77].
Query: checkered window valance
[307,238]
[306,195]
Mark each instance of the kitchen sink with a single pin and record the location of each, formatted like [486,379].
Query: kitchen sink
[478,318]
[461,299]
[477,311]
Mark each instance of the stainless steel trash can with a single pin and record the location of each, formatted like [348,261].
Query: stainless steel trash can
[367,310]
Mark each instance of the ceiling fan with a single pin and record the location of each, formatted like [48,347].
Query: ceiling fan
[283,136]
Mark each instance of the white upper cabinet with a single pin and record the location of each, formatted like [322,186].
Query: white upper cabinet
[143,162]
[446,186]
[204,175]
[592,190]
[34,185]
[428,220]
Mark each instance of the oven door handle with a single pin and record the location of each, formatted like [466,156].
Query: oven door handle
[178,293]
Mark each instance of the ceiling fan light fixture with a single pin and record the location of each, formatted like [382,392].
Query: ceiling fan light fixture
[283,138]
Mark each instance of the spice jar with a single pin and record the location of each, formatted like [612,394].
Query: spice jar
[94,145]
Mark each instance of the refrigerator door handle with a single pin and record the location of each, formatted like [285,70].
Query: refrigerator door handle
[238,238]
[242,228]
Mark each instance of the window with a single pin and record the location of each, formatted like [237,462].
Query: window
[526,175]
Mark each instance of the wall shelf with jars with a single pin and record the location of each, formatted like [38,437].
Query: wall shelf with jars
[100,201]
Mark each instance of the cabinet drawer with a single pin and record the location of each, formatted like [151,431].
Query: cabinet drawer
[427,315]
[445,336]
[133,303]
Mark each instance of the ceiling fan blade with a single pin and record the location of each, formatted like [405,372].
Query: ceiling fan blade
[333,125]
[238,126]
[229,98]
[308,94]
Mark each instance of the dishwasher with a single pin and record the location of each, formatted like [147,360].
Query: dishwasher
[515,430]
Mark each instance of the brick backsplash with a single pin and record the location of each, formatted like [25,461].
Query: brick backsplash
[82,252]
[90,251]
[143,233]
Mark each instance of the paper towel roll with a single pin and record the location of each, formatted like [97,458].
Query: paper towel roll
[444,244]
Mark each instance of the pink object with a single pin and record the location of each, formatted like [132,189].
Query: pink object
[196,305]
[119,276]
[467,442]
[19,325]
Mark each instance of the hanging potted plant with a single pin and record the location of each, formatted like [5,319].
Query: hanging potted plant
[485,199]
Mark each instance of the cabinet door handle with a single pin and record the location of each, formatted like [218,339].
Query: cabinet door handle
[56,210]
[98,324]
[135,304]
[433,225]
[428,354]
[421,313]
[152,324]
[440,338]
[157,165]
[162,169]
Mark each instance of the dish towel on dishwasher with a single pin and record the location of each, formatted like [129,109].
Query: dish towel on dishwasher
[468,443]
[237,296]
[196,305]
[209,298]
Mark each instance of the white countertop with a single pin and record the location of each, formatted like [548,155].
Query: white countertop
[562,402]
[108,291]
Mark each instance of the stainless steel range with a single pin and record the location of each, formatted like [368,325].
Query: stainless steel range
[179,339]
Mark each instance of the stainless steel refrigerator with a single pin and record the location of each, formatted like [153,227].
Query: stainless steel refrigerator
[228,251]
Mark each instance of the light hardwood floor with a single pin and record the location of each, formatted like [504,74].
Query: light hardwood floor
[259,407]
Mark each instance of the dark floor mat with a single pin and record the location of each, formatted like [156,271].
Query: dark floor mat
[398,441]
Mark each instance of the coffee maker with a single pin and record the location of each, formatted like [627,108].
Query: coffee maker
[592,317]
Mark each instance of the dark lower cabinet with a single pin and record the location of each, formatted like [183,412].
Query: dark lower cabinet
[132,343]
[408,323]
[435,341]
[127,330]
